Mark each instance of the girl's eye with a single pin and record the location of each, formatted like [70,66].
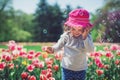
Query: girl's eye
[79,30]
[73,29]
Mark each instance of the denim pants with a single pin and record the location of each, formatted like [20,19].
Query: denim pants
[73,75]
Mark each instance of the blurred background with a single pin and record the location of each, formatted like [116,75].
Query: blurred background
[42,20]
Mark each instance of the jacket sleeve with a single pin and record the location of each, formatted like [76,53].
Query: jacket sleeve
[60,43]
[88,43]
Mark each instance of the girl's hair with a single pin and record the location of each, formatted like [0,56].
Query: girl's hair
[66,28]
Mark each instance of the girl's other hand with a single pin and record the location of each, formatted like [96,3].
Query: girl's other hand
[86,32]
[48,49]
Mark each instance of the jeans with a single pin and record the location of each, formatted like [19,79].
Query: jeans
[73,75]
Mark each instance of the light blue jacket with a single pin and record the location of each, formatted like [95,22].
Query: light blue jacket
[75,49]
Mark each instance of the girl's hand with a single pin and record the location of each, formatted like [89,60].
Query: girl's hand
[86,32]
[48,49]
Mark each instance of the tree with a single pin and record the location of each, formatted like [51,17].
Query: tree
[5,5]
[14,25]
[108,17]
[48,21]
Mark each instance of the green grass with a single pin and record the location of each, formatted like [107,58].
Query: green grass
[99,48]
[36,48]
[3,46]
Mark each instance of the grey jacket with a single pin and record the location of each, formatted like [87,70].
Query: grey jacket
[75,49]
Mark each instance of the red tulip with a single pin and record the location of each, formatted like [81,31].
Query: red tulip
[24,75]
[99,72]
[32,78]
[56,67]
[117,62]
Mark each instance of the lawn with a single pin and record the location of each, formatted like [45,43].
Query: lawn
[38,47]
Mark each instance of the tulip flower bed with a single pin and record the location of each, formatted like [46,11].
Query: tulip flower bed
[104,64]
[18,63]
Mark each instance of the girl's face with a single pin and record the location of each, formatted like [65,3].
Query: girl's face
[76,31]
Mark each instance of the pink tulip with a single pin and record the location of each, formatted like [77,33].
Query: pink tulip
[51,78]
[35,62]
[114,47]
[49,61]
[109,54]
[30,56]
[30,68]
[23,54]
[2,65]
[19,48]
[37,54]
[44,72]
[99,63]
[12,45]
[7,57]
[97,54]
[31,52]
[11,66]
[43,77]
[58,56]
[41,64]
[106,48]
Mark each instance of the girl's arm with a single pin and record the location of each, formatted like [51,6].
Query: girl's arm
[61,42]
[88,42]
[85,33]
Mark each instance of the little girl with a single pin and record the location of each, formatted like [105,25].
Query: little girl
[76,43]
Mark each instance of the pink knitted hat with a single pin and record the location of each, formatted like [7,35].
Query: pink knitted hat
[78,18]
